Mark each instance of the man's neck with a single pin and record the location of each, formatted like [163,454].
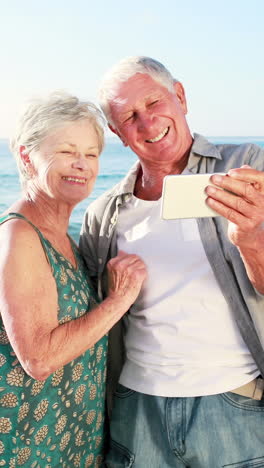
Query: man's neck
[149,181]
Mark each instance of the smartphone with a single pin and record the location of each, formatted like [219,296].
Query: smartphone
[183,196]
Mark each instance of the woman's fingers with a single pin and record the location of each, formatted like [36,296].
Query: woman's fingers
[126,273]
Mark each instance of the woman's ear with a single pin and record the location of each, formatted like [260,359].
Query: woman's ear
[25,158]
[24,155]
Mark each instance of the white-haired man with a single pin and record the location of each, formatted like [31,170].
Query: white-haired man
[190,391]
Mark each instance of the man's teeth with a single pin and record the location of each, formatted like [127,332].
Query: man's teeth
[159,137]
[75,179]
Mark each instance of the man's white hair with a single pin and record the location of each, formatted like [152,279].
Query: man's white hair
[42,115]
[124,70]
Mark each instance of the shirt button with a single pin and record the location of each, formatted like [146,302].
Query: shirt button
[100,260]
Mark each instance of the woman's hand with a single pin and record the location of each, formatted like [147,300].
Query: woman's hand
[29,303]
[126,273]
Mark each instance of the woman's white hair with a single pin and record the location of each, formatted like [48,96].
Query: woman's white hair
[43,115]
[124,70]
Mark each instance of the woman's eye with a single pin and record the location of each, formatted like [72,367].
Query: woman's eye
[66,152]
[91,155]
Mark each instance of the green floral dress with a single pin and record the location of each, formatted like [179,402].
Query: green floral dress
[58,422]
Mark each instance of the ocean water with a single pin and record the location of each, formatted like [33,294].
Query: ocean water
[114,164]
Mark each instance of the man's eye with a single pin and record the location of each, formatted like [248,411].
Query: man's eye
[66,152]
[153,102]
[130,117]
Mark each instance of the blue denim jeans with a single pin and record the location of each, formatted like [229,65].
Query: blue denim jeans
[225,430]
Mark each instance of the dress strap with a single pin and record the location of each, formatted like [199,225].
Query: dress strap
[47,246]
[44,242]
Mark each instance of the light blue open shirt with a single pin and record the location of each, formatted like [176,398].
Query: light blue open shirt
[98,244]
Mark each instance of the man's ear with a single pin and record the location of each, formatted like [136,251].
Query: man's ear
[180,93]
[114,130]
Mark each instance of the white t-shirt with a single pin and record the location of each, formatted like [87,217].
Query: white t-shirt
[181,338]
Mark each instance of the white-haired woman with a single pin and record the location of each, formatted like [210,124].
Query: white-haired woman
[53,331]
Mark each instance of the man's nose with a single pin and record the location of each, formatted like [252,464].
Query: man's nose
[146,121]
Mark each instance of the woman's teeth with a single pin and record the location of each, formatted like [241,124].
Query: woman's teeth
[74,179]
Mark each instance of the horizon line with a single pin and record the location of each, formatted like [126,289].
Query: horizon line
[113,137]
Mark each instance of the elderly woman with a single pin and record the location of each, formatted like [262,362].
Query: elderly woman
[53,335]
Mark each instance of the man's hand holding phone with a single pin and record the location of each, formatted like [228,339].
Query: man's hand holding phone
[239,197]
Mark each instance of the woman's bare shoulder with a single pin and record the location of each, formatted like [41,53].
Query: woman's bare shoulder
[17,229]
[20,242]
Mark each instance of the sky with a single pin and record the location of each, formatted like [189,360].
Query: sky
[215,48]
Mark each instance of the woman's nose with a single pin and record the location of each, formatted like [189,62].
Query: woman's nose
[80,162]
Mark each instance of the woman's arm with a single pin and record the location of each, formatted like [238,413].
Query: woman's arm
[29,303]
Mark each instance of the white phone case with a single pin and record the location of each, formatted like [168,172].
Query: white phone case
[183,196]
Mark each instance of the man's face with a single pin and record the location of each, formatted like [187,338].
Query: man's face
[151,120]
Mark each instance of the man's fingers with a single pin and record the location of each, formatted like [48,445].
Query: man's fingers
[236,217]
[235,186]
[248,175]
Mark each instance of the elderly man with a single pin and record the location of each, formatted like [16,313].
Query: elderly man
[190,391]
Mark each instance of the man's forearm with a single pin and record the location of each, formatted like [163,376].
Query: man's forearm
[253,259]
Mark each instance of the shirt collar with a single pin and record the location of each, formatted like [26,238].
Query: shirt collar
[201,148]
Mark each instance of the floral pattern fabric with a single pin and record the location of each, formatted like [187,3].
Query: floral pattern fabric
[58,422]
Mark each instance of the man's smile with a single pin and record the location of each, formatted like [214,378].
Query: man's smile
[159,137]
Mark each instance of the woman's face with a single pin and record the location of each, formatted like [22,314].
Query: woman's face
[66,164]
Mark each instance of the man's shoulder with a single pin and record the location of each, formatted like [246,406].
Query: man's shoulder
[203,144]
[243,153]
[243,147]
[109,197]
[95,213]
[229,154]
[99,205]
